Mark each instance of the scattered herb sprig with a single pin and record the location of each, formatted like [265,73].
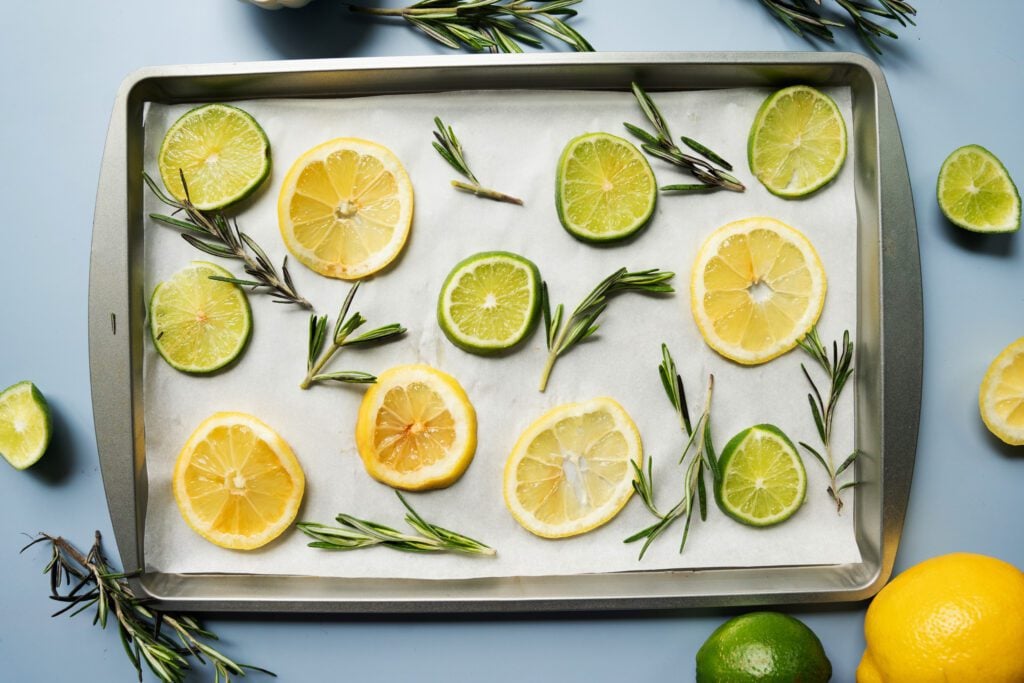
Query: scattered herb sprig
[358,533]
[661,145]
[214,234]
[701,451]
[801,18]
[489,25]
[839,368]
[450,149]
[562,335]
[166,643]
[344,327]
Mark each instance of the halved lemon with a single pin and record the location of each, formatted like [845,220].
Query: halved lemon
[416,428]
[1002,395]
[237,483]
[345,208]
[756,289]
[570,471]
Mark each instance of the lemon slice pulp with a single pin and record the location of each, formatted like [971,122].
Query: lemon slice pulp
[1002,395]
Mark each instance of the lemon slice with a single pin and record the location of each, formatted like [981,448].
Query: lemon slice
[416,429]
[756,289]
[1002,395]
[345,208]
[570,471]
[763,481]
[976,192]
[25,426]
[237,483]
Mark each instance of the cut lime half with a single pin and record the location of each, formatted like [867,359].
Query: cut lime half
[797,143]
[604,189]
[489,302]
[199,325]
[222,152]
[975,191]
[762,481]
[24,425]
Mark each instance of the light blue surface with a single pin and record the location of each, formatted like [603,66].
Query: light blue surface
[956,79]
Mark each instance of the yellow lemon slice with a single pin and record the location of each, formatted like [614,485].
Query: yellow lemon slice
[756,289]
[345,208]
[570,471]
[1002,395]
[237,483]
[416,429]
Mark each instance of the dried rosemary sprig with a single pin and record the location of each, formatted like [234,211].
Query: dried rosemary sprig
[359,533]
[491,25]
[801,18]
[450,149]
[702,458]
[344,327]
[839,368]
[164,642]
[660,145]
[221,237]
[562,335]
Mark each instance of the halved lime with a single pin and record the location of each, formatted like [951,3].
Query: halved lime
[762,481]
[975,191]
[798,141]
[489,302]
[222,152]
[24,425]
[604,189]
[199,325]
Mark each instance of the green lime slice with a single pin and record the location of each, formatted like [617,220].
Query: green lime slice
[798,141]
[222,152]
[976,192]
[199,325]
[24,425]
[604,189]
[489,302]
[762,481]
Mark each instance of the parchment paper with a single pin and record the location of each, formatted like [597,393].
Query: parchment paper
[513,140]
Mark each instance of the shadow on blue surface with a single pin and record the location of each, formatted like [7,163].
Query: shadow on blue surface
[318,30]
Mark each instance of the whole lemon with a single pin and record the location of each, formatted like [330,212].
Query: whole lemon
[957,617]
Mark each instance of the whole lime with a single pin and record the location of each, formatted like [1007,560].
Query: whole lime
[763,646]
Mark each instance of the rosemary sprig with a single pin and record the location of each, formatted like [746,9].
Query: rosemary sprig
[359,533]
[164,642]
[701,451]
[489,25]
[344,327]
[218,236]
[839,368]
[562,335]
[450,149]
[800,18]
[660,145]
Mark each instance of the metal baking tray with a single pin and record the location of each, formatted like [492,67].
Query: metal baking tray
[889,330]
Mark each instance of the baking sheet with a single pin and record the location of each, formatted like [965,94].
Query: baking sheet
[513,140]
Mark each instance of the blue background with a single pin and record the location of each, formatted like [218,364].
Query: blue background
[956,79]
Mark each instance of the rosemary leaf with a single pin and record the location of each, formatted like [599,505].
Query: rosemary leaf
[801,18]
[450,149]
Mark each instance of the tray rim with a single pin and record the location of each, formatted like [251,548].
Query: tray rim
[117,408]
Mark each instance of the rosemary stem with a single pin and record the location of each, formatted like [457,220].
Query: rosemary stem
[548,366]
[487,193]
[319,365]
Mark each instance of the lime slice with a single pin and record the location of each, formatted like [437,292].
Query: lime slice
[798,141]
[762,481]
[199,325]
[976,192]
[222,152]
[605,189]
[489,302]
[24,425]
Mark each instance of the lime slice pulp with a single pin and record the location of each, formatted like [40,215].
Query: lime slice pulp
[24,425]
[762,481]
[975,191]
[199,325]
[222,152]
[604,189]
[797,143]
[489,302]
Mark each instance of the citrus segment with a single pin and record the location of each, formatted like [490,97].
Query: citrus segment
[25,426]
[236,482]
[762,481]
[1002,395]
[976,192]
